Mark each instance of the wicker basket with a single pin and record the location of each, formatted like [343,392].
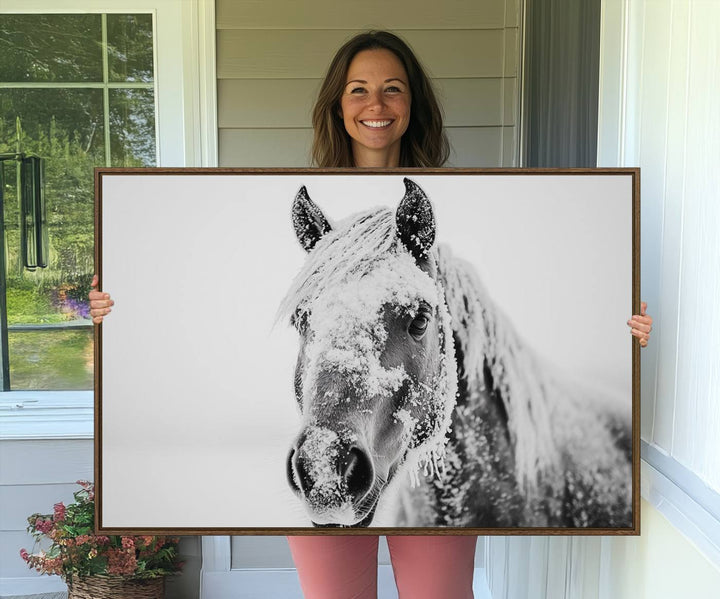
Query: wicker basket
[116,587]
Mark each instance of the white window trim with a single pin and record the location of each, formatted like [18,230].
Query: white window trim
[186,122]
[681,496]
[46,415]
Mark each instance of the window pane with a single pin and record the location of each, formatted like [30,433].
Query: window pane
[132,127]
[53,359]
[53,122]
[130,47]
[50,48]
[65,127]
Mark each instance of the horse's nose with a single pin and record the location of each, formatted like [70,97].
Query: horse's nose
[357,472]
[352,467]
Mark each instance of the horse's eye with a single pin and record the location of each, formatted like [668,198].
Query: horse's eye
[418,326]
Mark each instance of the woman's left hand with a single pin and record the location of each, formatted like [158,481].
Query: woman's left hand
[641,325]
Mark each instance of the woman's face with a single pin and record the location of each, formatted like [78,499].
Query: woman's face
[375,107]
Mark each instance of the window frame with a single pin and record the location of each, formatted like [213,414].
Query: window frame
[186,133]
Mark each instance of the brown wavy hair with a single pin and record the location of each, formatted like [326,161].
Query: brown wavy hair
[424,144]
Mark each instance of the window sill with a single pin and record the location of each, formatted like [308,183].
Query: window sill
[46,415]
[681,496]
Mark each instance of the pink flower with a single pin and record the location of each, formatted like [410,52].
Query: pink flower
[44,526]
[53,565]
[59,512]
[121,562]
[24,554]
[82,539]
[128,543]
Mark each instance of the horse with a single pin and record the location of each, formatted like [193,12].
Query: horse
[407,366]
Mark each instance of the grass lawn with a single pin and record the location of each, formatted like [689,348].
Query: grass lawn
[53,359]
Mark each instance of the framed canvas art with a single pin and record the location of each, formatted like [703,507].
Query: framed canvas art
[339,352]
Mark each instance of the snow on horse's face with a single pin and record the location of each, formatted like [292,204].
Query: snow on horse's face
[372,376]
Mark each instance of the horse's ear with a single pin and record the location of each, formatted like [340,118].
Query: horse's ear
[415,221]
[309,222]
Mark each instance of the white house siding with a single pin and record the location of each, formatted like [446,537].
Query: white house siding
[34,475]
[271,58]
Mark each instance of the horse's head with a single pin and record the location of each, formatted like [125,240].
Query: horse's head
[375,376]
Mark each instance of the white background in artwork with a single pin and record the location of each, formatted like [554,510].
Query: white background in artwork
[198,412]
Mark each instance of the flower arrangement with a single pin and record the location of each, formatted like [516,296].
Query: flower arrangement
[76,552]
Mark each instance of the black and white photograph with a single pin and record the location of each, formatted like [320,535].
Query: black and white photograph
[349,351]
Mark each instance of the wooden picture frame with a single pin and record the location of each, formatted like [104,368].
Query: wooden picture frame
[464,365]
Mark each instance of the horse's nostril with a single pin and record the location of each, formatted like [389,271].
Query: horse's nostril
[358,472]
[289,470]
[297,473]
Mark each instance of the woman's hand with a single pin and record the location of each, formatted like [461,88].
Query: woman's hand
[641,325]
[99,302]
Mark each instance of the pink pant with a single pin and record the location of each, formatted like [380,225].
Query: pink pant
[437,567]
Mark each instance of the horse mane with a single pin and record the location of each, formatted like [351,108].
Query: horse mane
[351,248]
[487,339]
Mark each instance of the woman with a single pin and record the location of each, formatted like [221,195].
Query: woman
[376,108]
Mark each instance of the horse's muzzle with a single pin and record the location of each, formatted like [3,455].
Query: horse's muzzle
[331,475]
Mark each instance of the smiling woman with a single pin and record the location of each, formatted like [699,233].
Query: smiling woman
[375,107]
[377,97]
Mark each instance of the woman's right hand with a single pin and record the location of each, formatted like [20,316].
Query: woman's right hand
[99,302]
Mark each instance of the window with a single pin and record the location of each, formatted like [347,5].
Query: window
[186,126]
[78,91]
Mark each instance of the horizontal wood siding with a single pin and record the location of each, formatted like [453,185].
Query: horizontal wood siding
[271,54]
[11,564]
[271,58]
[472,145]
[45,462]
[264,147]
[369,14]
[35,475]
[290,147]
[287,103]
[19,501]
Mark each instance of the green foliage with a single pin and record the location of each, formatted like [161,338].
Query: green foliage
[50,47]
[28,306]
[52,359]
